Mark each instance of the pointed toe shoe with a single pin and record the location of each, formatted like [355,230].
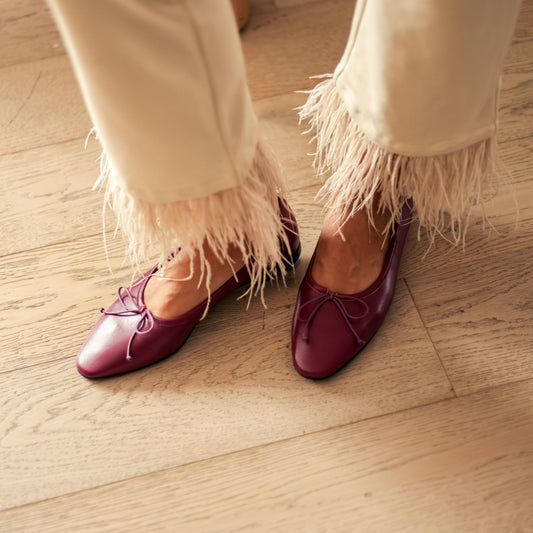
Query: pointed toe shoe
[128,336]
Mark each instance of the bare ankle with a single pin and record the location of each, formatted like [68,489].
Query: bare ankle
[185,281]
[349,259]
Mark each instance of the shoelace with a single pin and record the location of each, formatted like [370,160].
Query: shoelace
[141,310]
[339,301]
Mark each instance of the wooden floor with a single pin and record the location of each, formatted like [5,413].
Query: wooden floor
[429,429]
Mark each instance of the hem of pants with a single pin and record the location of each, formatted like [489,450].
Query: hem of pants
[443,188]
[246,216]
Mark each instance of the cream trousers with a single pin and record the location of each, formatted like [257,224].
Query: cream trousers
[410,112]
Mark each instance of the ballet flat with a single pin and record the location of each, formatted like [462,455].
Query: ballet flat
[128,336]
[329,329]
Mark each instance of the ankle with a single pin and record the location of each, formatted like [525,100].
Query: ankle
[348,260]
[186,282]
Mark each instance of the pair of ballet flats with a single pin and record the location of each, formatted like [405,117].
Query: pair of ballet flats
[328,329]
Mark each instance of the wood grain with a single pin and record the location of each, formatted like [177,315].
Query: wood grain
[479,316]
[28,32]
[460,465]
[429,429]
[47,196]
[231,387]
[515,113]
[41,105]
[508,229]
[299,46]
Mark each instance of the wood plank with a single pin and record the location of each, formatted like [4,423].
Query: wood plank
[282,48]
[47,198]
[479,315]
[515,113]
[41,105]
[28,32]
[231,387]
[509,230]
[524,26]
[460,465]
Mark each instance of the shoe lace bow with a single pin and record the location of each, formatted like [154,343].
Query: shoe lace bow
[146,317]
[339,300]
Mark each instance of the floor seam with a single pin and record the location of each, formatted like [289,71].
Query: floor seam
[435,349]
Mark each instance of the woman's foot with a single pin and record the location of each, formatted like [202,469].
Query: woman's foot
[153,317]
[335,317]
[176,291]
[351,264]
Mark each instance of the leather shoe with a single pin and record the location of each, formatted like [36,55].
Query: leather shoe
[329,329]
[128,336]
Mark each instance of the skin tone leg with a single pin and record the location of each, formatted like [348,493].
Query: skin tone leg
[167,298]
[352,264]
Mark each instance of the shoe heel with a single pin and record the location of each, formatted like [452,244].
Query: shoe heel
[292,263]
[295,258]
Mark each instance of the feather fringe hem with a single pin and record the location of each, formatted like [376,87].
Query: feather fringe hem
[246,216]
[362,175]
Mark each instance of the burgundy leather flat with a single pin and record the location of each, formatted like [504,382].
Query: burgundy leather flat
[128,336]
[329,329]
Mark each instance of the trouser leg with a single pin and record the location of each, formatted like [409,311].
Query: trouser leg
[165,85]
[411,110]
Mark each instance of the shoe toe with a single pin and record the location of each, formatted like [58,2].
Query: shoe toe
[325,346]
[105,350]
